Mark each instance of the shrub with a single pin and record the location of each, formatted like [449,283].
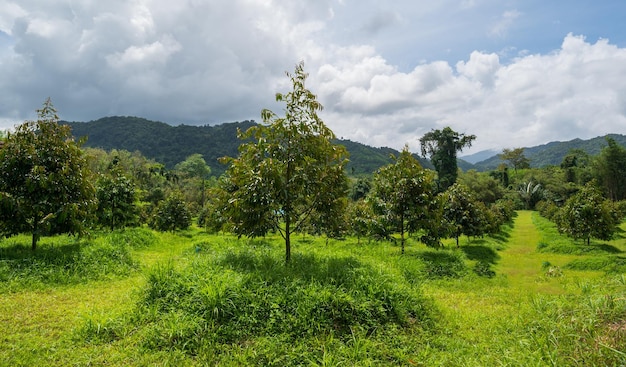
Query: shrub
[171,214]
[244,296]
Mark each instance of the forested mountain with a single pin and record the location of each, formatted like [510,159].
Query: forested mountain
[170,145]
[553,153]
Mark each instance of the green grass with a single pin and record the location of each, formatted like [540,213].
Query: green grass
[138,297]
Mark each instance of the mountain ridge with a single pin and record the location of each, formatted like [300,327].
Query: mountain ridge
[169,144]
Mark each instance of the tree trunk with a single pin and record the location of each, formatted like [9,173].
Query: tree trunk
[287,238]
[402,236]
[33,244]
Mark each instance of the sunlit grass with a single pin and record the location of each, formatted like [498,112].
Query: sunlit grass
[535,309]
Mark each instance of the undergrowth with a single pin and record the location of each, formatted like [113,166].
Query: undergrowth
[243,300]
[63,260]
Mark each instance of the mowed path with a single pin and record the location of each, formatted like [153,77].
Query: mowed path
[518,261]
[481,311]
[522,265]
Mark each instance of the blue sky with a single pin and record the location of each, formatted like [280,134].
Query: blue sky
[515,73]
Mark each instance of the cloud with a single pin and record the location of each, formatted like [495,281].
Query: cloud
[576,91]
[210,61]
[502,25]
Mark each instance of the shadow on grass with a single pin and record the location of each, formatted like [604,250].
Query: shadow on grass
[578,248]
[61,263]
[442,264]
[20,254]
[481,253]
[303,266]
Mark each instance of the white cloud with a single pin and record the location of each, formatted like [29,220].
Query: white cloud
[202,61]
[502,25]
[577,91]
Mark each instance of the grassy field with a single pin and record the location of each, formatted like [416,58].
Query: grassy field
[528,297]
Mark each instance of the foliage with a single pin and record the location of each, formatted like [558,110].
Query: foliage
[360,189]
[213,217]
[515,157]
[288,171]
[116,201]
[462,212]
[610,170]
[441,146]
[210,306]
[171,214]
[193,173]
[360,219]
[530,193]
[401,195]
[588,215]
[45,187]
[483,187]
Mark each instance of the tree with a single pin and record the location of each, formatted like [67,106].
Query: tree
[462,212]
[441,146]
[360,218]
[360,189]
[402,193]
[588,214]
[288,171]
[194,172]
[116,200]
[171,214]
[530,194]
[45,187]
[484,187]
[610,170]
[515,157]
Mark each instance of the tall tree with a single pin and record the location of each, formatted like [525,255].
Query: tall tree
[441,146]
[45,187]
[515,157]
[402,195]
[610,170]
[288,170]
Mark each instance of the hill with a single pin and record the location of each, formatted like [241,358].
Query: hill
[552,154]
[170,145]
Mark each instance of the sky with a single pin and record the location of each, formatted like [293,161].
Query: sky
[515,73]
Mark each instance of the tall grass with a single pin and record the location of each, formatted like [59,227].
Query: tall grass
[63,260]
[243,299]
[198,299]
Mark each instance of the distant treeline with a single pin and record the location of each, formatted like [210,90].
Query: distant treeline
[170,145]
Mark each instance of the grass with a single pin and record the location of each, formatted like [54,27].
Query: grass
[191,298]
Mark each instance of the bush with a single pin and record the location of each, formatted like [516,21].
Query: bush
[171,214]
[245,296]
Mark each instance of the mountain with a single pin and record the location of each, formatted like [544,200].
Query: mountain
[479,156]
[552,154]
[170,145]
